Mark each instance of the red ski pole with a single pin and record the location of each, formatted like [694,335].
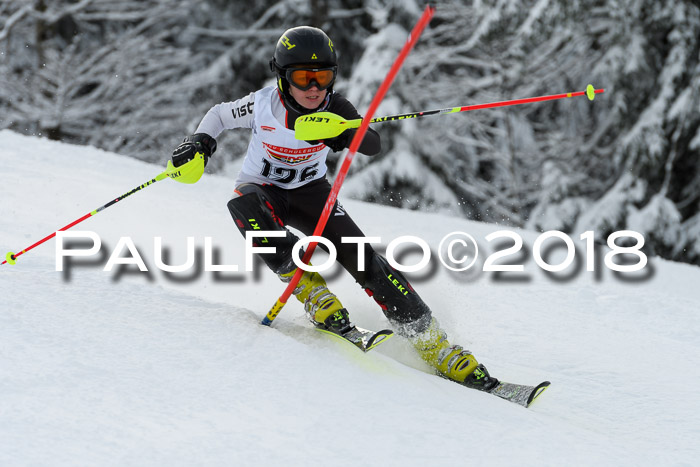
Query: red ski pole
[189,173]
[354,145]
[322,125]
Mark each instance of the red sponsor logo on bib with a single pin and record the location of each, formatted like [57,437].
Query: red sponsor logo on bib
[291,156]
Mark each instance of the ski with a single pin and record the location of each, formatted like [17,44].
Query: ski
[519,393]
[363,339]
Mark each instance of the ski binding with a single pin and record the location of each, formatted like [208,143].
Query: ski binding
[363,339]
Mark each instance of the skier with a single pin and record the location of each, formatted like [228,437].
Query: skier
[283,182]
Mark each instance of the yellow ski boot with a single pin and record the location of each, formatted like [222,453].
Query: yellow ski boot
[322,306]
[451,361]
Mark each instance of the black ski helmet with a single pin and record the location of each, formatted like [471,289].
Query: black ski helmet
[302,45]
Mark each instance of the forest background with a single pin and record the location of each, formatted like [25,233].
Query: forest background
[135,77]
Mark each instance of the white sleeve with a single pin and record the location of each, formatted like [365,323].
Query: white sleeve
[228,115]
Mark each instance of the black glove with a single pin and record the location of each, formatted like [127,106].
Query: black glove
[340,142]
[199,142]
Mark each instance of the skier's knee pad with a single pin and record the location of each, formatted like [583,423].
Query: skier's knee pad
[394,294]
[251,211]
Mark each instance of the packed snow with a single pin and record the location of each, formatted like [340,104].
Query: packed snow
[125,367]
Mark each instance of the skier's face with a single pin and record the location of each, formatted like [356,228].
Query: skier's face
[309,99]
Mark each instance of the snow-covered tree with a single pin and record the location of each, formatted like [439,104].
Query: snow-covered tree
[628,160]
[136,76]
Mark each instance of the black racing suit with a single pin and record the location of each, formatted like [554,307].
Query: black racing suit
[272,208]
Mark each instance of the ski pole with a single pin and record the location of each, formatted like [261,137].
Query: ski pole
[354,145]
[189,173]
[323,125]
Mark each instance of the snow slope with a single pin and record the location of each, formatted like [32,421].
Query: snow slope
[132,368]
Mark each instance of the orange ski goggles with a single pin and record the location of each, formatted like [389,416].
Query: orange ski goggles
[305,78]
